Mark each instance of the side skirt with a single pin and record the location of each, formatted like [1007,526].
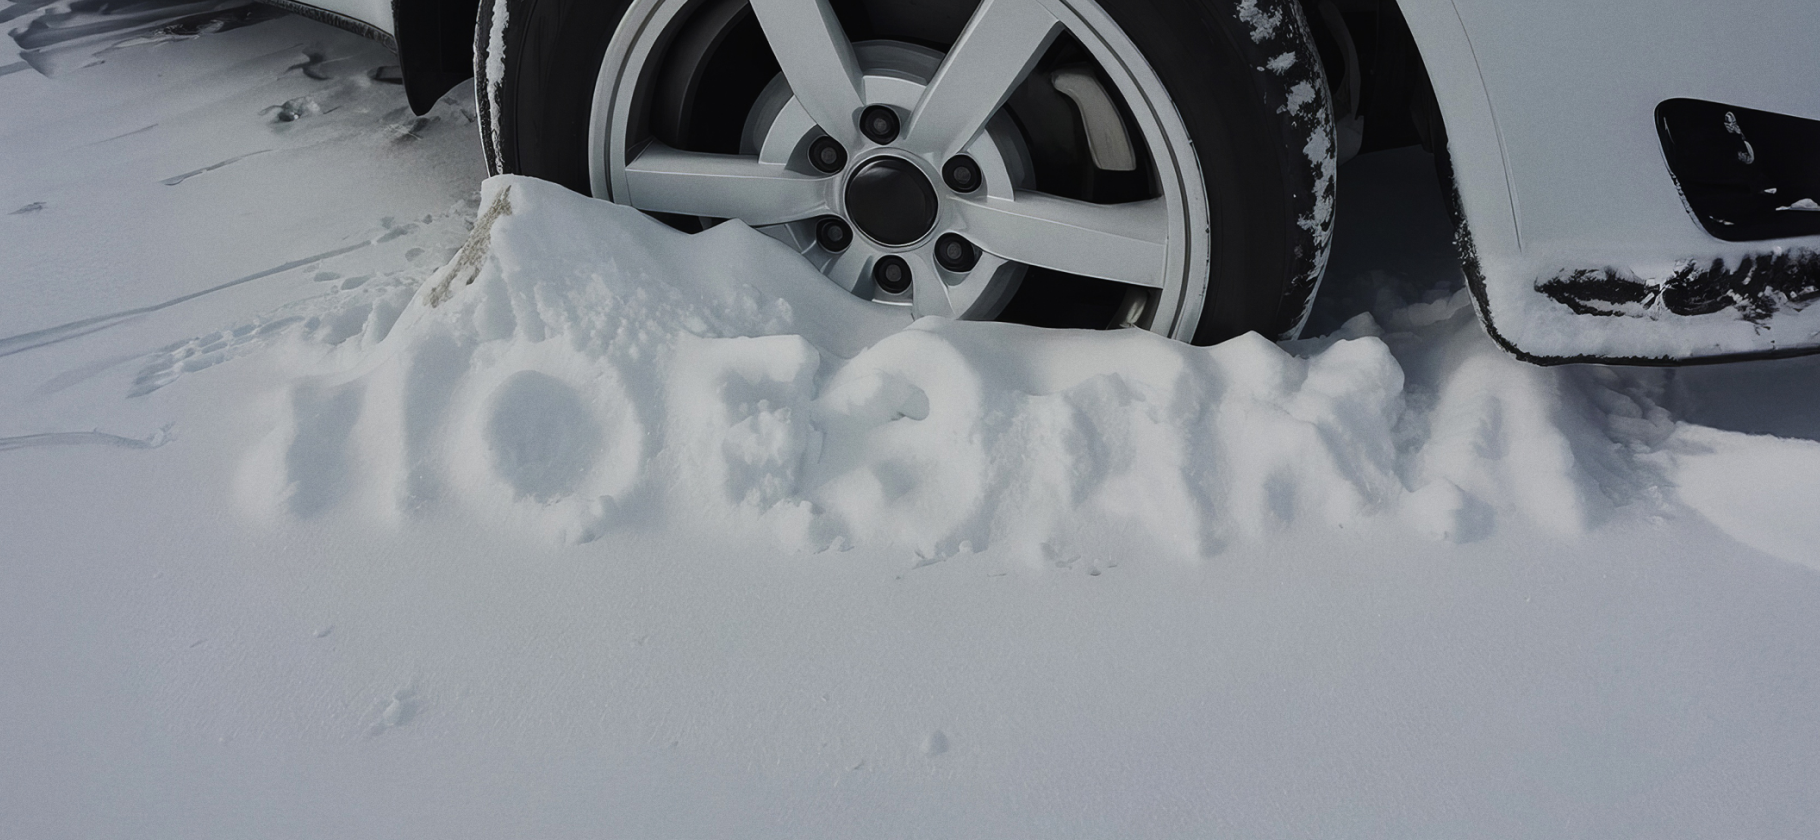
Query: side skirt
[337,20]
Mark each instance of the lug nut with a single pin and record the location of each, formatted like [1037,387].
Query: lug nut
[956,254]
[892,275]
[827,155]
[962,174]
[834,235]
[879,124]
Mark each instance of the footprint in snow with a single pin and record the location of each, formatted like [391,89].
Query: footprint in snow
[395,229]
[414,129]
[396,712]
[293,110]
[312,65]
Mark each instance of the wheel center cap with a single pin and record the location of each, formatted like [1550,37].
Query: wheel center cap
[892,201]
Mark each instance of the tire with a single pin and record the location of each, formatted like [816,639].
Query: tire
[1215,221]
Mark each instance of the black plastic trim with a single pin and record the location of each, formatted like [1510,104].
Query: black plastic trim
[1756,288]
[1746,175]
[1475,281]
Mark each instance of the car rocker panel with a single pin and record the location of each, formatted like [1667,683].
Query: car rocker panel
[367,18]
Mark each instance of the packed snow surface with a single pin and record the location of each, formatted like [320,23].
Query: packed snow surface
[344,494]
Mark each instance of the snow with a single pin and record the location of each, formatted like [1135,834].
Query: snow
[344,495]
[1263,23]
[495,70]
[1739,482]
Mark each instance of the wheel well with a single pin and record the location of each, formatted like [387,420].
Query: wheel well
[1396,99]
[435,47]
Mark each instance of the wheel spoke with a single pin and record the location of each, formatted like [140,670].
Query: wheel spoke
[930,294]
[1002,42]
[818,60]
[1127,243]
[851,265]
[664,180]
[965,297]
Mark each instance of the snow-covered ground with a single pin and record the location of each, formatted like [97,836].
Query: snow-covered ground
[343,497]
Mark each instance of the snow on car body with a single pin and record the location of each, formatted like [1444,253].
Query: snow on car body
[1585,247]
[1636,180]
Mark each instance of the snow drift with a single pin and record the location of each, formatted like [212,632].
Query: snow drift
[405,645]
[579,368]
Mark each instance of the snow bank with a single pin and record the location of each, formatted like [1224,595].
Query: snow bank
[580,368]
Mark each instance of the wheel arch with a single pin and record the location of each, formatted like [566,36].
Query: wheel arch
[1423,86]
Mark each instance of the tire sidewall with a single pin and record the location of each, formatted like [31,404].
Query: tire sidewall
[554,50]
[1265,141]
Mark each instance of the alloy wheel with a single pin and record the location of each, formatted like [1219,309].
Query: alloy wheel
[904,171]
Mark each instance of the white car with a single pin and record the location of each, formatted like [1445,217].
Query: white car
[1637,180]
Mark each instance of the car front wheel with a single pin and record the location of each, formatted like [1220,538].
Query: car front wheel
[1166,164]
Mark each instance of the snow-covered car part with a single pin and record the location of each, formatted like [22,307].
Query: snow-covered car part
[1756,288]
[1168,165]
[1578,241]
[368,20]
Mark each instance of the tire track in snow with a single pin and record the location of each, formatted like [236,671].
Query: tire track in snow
[76,329]
[153,441]
[117,136]
[178,179]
